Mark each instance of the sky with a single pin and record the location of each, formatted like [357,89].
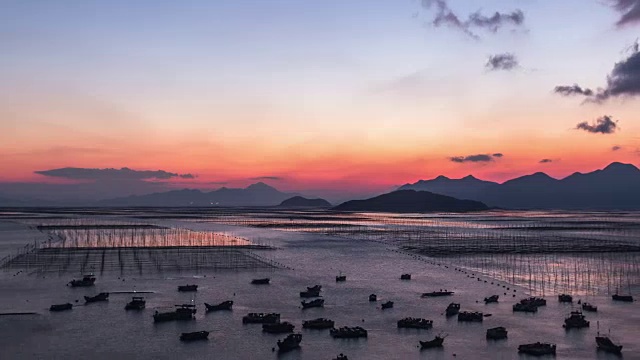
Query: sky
[329,98]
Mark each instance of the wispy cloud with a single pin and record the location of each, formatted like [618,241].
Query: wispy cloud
[506,61]
[575,89]
[261,178]
[602,125]
[545,161]
[477,158]
[629,10]
[445,16]
[112,174]
[616,148]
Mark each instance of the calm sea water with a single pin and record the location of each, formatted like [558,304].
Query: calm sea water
[106,331]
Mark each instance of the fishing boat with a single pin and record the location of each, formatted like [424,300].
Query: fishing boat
[530,308]
[604,343]
[136,303]
[341,278]
[575,321]
[405,277]
[626,298]
[196,335]
[317,288]
[61,307]
[537,349]
[468,316]
[373,297]
[535,301]
[452,309]
[261,318]
[309,293]
[225,305]
[415,323]
[387,305]
[289,343]
[497,333]
[318,324]
[182,312]
[564,298]
[86,281]
[312,303]
[187,288]
[346,332]
[589,307]
[341,357]
[103,296]
[436,342]
[264,281]
[491,299]
[437,293]
[278,328]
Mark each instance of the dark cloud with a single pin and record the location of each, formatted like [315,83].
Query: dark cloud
[260,178]
[444,16]
[574,89]
[616,148]
[504,61]
[630,10]
[603,125]
[112,174]
[475,158]
[545,161]
[624,80]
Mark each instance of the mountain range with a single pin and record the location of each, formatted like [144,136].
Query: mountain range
[259,194]
[299,202]
[403,201]
[617,186]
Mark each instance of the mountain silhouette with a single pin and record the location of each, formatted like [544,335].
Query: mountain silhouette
[299,201]
[259,194]
[412,201]
[616,187]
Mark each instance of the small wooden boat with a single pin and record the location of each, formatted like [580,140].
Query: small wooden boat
[437,293]
[604,343]
[187,288]
[309,294]
[61,307]
[346,332]
[225,305]
[278,328]
[104,296]
[405,277]
[625,298]
[468,316]
[136,303]
[373,297]
[491,299]
[537,349]
[312,303]
[387,305]
[317,288]
[452,309]
[341,357]
[289,343]
[589,307]
[318,324]
[436,342]
[86,281]
[497,333]
[415,323]
[535,301]
[182,312]
[341,278]
[264,281]
[261,318]
[575,321]
[196,335]
[564,298]
[530,308]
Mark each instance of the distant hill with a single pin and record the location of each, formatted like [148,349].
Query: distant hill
[412,201]
[299,201]
[616,187]
[259,194]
